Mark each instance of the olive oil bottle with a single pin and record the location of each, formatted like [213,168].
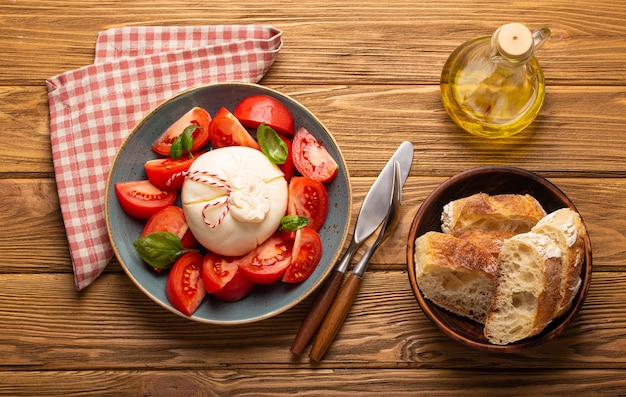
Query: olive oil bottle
[493,86]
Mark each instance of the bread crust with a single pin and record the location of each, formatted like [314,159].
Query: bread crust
[511,212]
[489,240]
[455,274]
[566,228]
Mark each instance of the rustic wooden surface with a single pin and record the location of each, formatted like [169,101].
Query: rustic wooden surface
[370,71]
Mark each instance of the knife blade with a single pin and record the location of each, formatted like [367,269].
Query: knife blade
[371,215]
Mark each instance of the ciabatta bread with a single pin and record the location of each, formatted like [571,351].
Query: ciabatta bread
[455,274]
[566,228]
[528,288]
[510,212]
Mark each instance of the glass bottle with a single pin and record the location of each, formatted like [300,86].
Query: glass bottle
[493,86]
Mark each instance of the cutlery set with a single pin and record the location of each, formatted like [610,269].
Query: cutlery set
[380,211]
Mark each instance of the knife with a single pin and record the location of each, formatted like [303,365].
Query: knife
[342,304]
[372,213]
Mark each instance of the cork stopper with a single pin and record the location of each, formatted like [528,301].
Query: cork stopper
[514,41]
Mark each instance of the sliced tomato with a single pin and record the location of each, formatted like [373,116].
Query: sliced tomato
[257,109]
[309,198]
[171,219]
[269,261]
[288,168]
[161,172]
[141,199]
[223,279]
[225,130]
[307,252]
[184,287]
[196,116]
[311,158]
[236,289]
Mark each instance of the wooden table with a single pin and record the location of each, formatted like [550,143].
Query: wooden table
[370,71]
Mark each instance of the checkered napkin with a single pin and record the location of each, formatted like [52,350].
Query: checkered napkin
[93,108]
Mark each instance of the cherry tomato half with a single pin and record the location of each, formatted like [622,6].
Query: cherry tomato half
[307,252]
[269,261]
[141,199]
[171,219]
[223,279]
[196,116]
[311,158]
[257,109]
[161,171]
[184,287]
[226,130]
[309,198]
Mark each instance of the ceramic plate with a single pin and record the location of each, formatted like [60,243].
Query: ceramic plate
[265,301]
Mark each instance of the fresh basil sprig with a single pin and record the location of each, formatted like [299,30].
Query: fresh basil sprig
[184,143]
[160,249]
[272,146]
[291,223]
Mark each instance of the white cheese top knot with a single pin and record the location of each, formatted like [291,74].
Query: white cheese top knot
[233,199]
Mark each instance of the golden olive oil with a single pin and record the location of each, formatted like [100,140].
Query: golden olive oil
[490,95]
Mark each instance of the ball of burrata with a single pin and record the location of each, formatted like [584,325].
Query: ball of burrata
[233,198]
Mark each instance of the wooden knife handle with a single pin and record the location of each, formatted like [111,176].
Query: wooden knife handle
[336,315]
[316,312]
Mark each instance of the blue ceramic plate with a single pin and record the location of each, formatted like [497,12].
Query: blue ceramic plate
[265,301]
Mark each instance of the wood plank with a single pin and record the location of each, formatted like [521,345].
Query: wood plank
[29,210]
[47,325]
[566,139]
[336,43]
[312,382]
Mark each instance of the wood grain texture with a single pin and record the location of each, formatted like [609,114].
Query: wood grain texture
[370,71]
[113,325]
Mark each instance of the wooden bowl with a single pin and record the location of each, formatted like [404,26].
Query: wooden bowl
[490,180]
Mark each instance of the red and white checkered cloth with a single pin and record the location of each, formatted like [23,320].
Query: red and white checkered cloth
[93,108]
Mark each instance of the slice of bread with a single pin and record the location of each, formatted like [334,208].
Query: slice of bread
[528,288]
[566,228]
[455,274]
[510,212]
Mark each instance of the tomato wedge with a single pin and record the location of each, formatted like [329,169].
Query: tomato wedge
[184,287]
[309,198]
[223,279]
[225,130]
[236,289]
[311,158]
[161,171]
[257,109]
[269,261]
[141,199]
[288,168]
[171,219]
[196,116]
[307,252]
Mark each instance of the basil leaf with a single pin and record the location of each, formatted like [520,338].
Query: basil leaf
[187,138]
[184,143]
[176,150]
[272,146]
[160,249]
[291,223]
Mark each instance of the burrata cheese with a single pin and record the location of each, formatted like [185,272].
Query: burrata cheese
[233,199]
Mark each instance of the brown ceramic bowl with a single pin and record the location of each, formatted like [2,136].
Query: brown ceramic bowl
[490,180]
